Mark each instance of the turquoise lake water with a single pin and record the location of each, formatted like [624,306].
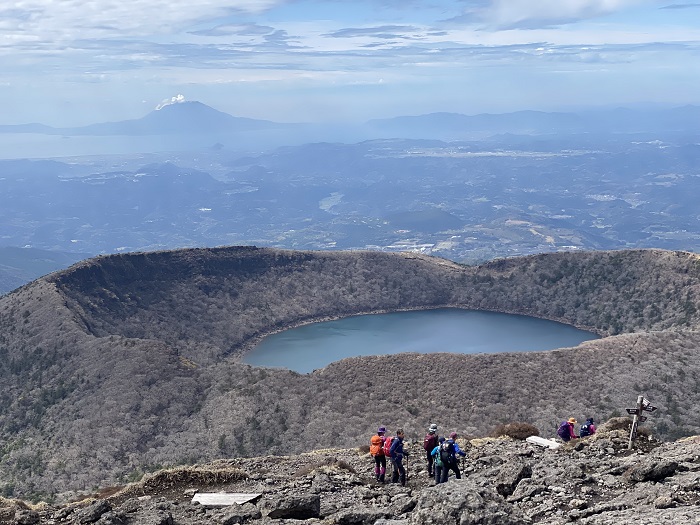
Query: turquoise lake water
[452,330]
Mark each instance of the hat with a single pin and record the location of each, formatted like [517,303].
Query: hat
[572,420]
[381,429]
[589,420]
[433,428]
[453,435]
[441,439]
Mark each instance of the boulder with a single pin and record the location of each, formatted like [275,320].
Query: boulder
[465,503]
[508,476]
[239,514]
[357,515]
[91,513]
[300,507]
[651,470]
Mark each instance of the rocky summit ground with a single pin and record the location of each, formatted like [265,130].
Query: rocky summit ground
[591,481]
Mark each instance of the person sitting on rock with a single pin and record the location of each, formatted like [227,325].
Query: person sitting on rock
[587,429]
[449,450]
[376,449]
[566,429]
[397,454]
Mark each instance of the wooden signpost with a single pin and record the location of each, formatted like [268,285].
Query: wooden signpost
[643,405]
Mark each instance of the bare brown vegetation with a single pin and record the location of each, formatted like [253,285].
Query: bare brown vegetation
[515,430]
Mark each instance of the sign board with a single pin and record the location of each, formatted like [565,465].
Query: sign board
[223,499]
[642,419]
[646,405]
[632,411]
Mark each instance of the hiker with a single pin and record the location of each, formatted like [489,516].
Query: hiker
[448,454]
[587,429]
[437,460]
[429,443]
[376,449]
[566,429]
[397,454]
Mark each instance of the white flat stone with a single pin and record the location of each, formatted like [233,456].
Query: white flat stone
[542,442]
[223,499]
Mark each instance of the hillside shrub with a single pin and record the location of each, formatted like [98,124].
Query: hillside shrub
[515,430]
[616,423]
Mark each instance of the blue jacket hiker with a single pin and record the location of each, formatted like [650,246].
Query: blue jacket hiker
[437,460]
[397,454]
[449,450]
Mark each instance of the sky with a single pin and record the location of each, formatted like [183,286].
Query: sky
[74,62]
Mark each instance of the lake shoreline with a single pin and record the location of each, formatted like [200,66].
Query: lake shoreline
[447,336]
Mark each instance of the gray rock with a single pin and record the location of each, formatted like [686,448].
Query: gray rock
[402,505]
[154,517]
[465,503]
[527,488]
[26,517]
[111,518]
[92,512]
[664,502]
[509,475]
[300,507]
[357,516]
[651,470]
[239,514]
[322,483]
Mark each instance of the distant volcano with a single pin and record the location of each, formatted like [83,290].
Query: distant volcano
[180,118]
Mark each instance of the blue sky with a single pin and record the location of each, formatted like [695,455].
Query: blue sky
[82,61]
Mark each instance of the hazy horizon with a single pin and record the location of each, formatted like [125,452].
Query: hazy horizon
[69,63]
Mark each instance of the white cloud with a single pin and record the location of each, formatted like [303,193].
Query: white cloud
[69,19]
[538,13]
[178,99]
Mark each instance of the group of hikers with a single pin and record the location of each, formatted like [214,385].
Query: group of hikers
[567,432]
[440,452]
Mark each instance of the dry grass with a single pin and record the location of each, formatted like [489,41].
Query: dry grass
[202,475]
[480,442]
[328,463]
[13,503]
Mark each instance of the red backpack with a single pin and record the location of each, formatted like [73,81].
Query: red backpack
[387,446]
[430,442]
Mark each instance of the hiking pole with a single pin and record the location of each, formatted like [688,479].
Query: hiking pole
[406,468]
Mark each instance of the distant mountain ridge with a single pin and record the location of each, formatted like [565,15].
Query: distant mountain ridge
[179,118]
[454,126]
[192,117]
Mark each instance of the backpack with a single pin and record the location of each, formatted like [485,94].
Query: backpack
[563,431]
[585,430]
[447,453]
[387,446]
[376,445]
[437,460]
[430,442]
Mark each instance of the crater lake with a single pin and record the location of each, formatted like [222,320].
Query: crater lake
[453,330]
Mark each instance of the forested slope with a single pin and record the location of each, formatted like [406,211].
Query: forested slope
[128,362]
